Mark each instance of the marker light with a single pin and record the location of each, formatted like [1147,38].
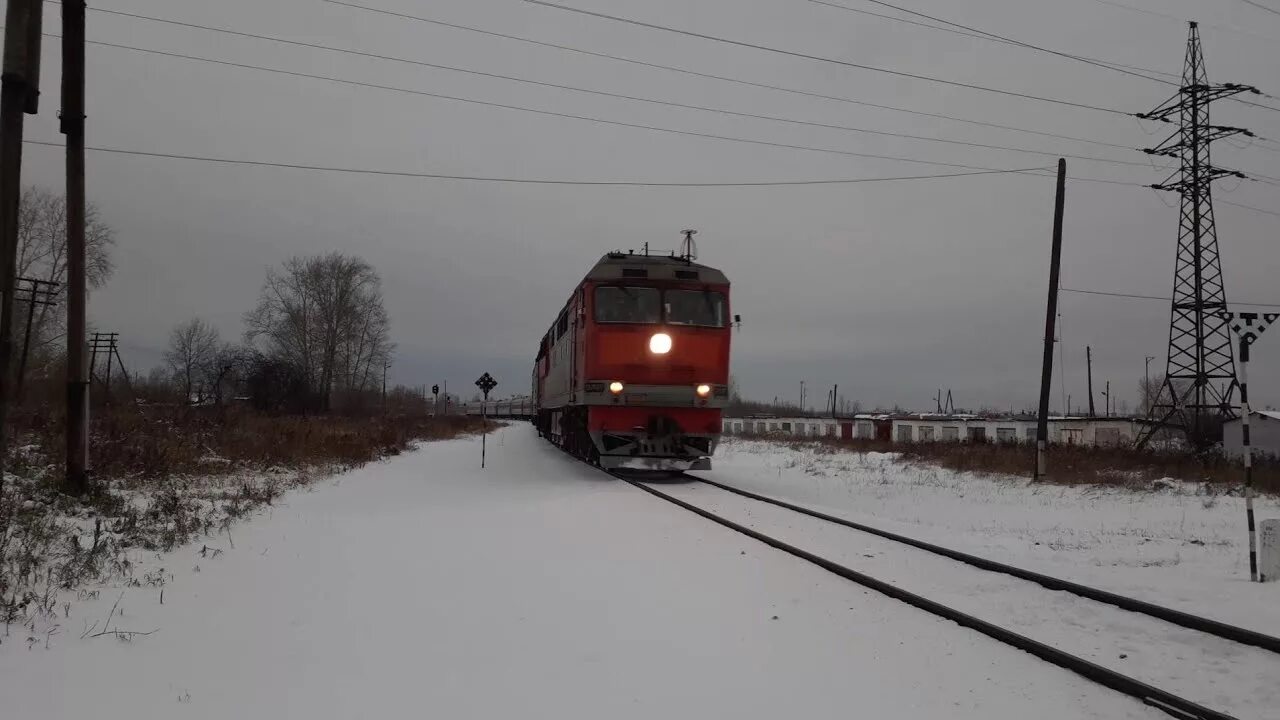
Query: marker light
[615,387]
[660,344]
[704,390]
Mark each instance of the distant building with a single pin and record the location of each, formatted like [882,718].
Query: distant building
[1264,434]
[930,427]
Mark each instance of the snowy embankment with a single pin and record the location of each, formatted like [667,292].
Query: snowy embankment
[538,588]
[1173,544]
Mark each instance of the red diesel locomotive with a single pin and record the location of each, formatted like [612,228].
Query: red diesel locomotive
[634,372]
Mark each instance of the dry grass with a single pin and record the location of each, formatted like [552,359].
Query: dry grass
[145,447]
[162,478]
[1075,464]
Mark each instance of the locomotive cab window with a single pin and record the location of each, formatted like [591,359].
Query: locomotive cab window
[695,307]
[628,305]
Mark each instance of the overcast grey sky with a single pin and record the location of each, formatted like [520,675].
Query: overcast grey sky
[891,290]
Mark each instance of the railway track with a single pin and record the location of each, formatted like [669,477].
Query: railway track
[1174,705]
[1177,617]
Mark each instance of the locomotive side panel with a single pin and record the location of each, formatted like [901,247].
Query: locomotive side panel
[558,376]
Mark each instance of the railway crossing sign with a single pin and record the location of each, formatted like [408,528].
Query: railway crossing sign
[486,383]
[1248,327]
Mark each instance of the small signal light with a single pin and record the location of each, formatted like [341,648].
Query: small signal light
[615,387]
[703,390]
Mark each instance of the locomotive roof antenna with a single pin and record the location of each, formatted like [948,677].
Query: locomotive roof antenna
[688,249]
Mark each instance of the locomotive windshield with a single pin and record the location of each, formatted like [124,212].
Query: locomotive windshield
[628,305]
[694,307]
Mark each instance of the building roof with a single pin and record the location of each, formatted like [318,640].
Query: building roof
[1268,414]
[934,417]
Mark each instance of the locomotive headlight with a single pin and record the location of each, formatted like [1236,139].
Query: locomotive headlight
[703,390]
[660,344]
[615,387]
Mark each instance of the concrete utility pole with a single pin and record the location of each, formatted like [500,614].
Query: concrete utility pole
[19,94]
[77,460]
[1088,355]
[1051,314]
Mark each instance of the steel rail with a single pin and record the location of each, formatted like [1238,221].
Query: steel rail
[1163,700]
[1177,617]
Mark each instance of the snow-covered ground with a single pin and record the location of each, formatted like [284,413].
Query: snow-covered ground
[1219,674]
[1174,546]
[539,588]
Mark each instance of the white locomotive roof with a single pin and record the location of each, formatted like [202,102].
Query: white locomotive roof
[654,267]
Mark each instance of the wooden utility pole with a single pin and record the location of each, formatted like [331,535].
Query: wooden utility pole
[19,92]
[1088,354]
[39,292]
[77,460]
[1051,315]
[385,364]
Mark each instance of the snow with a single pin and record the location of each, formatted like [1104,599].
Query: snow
[1178,547]
[1220,674]
[538,588]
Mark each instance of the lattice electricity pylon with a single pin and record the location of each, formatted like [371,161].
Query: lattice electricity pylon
[1200,375]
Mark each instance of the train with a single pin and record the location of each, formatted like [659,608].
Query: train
[633,373]
[517,408]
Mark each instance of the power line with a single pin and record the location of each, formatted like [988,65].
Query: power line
[732,139]
[1147,186]
[895,18]
[985,35]
[618,58]
[529,181]
[1248,207]
[654,101]
[833,61]
[550,113]
[1156,297]
[1182,20]
[1224,28]
[1260,6]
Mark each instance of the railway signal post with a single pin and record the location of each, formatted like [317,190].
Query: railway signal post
[1248,327]
[485,383]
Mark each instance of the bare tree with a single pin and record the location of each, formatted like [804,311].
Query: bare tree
[224,369]
[193,347]
[1155,392]
[42,254]
[325,316]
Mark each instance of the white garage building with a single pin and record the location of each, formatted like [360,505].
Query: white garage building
[1264,434]
[930,427]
